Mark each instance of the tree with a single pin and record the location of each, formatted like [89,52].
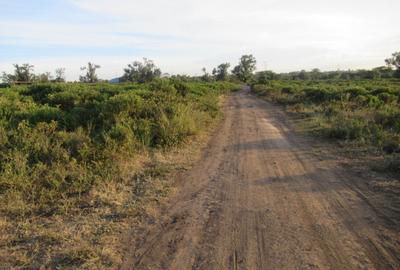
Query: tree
[384,72]
[315,74]
[22,73]
[44,77]
[221,73]
[394,61]
[7,78]
[303,75]
[90,76]
[206,76]
[247,65]
[141,72]
[263,77]
[60,75]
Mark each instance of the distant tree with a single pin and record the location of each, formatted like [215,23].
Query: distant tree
[22,73]
[7,78]
[345,75]
[221,73]
[368,74]
[90,76]
[263,77]
[315,74]
[247,65]
[206,76]
[60,75]
[395,62]
[183,78]
[44,77]
[303,75]
[384,72]
[141,72]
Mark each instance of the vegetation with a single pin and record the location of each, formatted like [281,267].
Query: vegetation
[384,72]
[244,70]
[141,72]
[22,73]
[364,111]
[63,142]
[60,75]
[221,73]
[137,72]
[394,61]
[90,76]
[59,140]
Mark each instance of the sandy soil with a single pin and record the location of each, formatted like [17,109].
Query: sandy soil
[262,198]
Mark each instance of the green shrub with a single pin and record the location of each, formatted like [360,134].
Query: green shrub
[364,111]
[346,129]
[59,140]
[387,98]
[356,91]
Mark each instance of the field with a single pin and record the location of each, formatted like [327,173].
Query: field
[76,160]
[359,112]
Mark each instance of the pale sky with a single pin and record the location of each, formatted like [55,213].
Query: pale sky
[182,36]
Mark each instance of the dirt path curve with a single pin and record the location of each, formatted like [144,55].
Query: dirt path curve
[260,199]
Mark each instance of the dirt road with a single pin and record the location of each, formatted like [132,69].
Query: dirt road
[262,199]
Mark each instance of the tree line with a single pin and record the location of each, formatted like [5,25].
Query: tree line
[391,70]
[146,71]
[25,74]
[138,71]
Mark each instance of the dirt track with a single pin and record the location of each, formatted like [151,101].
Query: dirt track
[261,199]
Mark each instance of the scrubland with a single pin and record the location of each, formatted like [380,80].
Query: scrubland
[79,162]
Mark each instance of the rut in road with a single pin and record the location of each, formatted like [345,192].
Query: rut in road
[259,199]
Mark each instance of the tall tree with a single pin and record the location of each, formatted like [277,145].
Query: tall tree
[22,73]
[384,72]
[247,65]
[221,73]
[90,76]
[315,74]
[44,77]
[141,72]
[394,61]
[263,77]
[206,76]
[60,75]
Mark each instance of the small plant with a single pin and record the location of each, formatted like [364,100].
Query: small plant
[363,111]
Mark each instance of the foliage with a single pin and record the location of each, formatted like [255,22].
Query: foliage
[383,72]
[60,75]
[247,65]
[394,61]
[59,140]
[221,73]
[22,73]
[315,74]
[44,77]
[90,76]
[141,72]
[366,111]
[206,77]
[263,77]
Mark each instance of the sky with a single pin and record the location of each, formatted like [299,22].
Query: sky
[182,36]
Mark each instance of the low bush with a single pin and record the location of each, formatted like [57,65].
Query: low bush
[364,111]
[60,140]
